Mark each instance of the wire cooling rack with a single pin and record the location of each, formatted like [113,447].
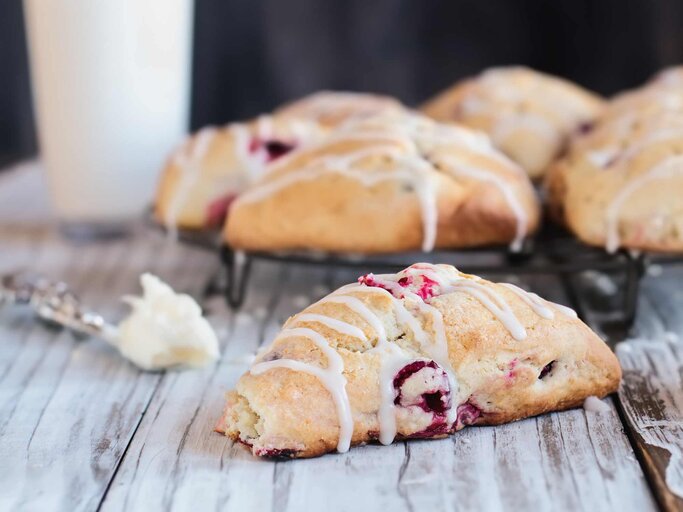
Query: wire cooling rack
[553,252]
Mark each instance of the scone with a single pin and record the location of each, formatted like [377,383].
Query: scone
[204,175]
[621,184]
[418,354]
[334,108]
[528,115]
[393,182]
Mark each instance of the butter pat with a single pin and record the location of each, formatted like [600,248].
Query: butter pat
[165,329]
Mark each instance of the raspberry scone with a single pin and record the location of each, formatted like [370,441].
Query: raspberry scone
[620,184]
[334,108]
[393,182]
[528,115]
[418,354]
[212,167]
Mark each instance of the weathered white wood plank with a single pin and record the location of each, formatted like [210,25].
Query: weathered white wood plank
[652,390]
[73,416]
[652,397]
[175,460]
[68,409]
[572,460]
[234,473]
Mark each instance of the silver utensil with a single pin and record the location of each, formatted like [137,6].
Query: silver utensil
[53,302]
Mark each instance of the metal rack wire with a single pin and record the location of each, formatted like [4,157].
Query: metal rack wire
[562,257]
[552,252]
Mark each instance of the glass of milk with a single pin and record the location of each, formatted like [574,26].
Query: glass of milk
[111,88]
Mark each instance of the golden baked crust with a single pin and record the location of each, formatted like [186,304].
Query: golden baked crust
[620,184]
[334,108]
[392,182]
[213,166]
[529,115]
[419,354]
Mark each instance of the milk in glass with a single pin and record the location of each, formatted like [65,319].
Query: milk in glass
[111,86]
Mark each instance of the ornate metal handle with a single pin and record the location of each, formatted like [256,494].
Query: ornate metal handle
[54,303]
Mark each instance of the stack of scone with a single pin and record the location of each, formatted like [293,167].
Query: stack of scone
[621,183]
[354,172]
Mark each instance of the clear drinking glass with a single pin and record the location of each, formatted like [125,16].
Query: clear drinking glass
[111,88]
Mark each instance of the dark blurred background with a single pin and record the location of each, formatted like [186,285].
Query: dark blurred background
[250,55]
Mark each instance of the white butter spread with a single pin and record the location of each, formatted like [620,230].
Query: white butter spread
[165,329]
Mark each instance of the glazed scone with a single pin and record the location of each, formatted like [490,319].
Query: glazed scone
[528,115]
[620,184]
[334,108]
[418,354]
[204,175]
[393,182]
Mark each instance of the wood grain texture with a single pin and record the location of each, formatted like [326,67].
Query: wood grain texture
[69,408]
[651,395]
[573,460]
[81,429]
[652,391]
[652,398]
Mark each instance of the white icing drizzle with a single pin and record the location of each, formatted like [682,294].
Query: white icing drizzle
[392,356]
[567,108]
[669,168]
[539,304]
[402,314]
[402,143]
[566,311]
[332,378]
[460,168]
[535,302]
[419,177]
[654,133]
[392,360]
[495,304]
[437,350]
[253,161]
[595,405]
[264,127]
[369,135]
[332,323]
[476,142]
[353,105]
[657,136]
[507,125]
[601,157]
[486,295]
[544,91]
[359,307]
[188,159]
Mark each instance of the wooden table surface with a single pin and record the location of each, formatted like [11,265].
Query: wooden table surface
[82,429]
